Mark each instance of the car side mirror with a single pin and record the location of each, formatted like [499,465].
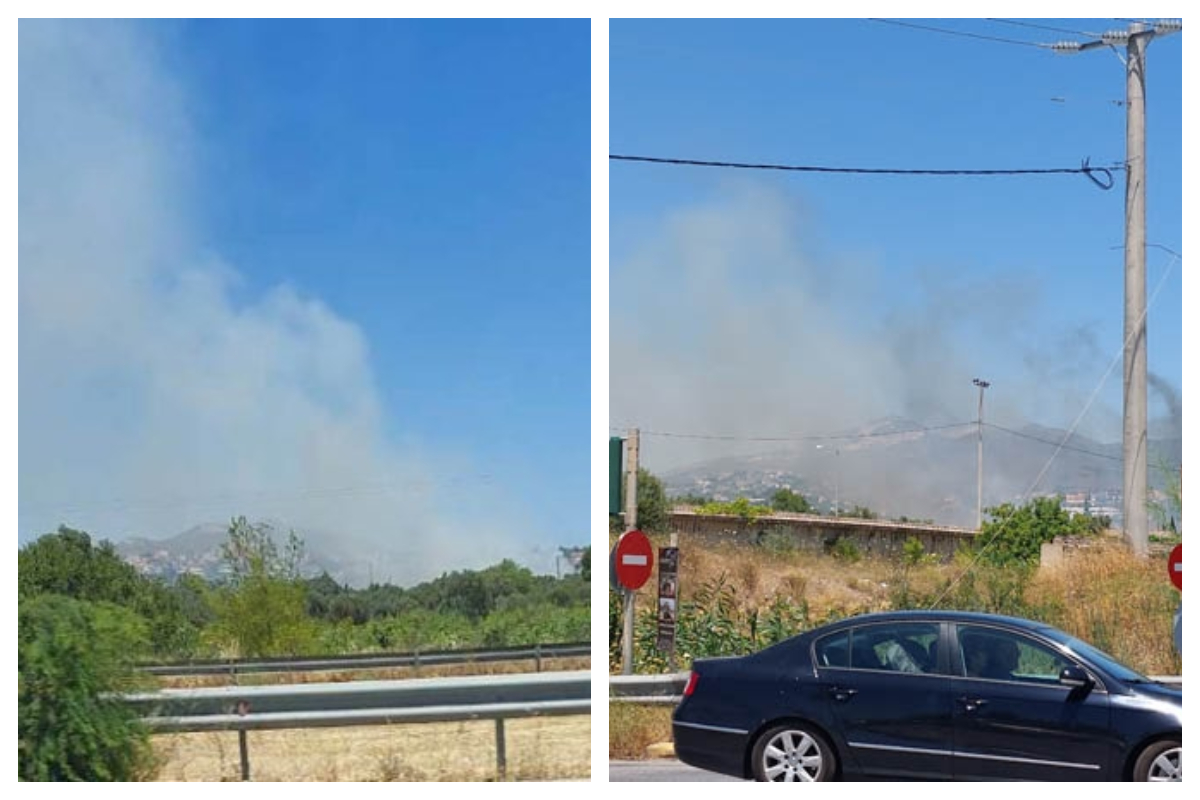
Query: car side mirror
[1075,677]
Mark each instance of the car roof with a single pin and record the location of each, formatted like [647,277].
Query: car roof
[934,615]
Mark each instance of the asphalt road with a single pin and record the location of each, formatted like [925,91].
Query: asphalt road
[662,770]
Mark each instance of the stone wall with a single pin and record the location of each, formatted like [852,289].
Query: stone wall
[815,533]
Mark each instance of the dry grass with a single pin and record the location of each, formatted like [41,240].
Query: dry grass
[1104,594]
[551,748]
[1123,604]
[758,575]
[632,728]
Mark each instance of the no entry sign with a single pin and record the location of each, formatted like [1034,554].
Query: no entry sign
[1175,566]
[632,560]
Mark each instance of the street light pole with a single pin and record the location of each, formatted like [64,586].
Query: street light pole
[982,384]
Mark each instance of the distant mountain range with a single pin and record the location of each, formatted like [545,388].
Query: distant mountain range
[198,551]
[896,467]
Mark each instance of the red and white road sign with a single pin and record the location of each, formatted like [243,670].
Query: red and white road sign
[1175,566]
[633,560]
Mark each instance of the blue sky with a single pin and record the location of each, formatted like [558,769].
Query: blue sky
[330,273]
[780,304]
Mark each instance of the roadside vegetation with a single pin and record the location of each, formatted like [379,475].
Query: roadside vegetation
[735,600]
[86,619]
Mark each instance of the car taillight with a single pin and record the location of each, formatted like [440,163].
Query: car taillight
[693,679]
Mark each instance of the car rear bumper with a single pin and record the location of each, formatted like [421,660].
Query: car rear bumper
[711,747]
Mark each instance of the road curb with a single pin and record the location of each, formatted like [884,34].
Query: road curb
[661,750]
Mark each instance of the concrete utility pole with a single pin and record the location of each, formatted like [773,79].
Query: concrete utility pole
[1134,439]
[982,384]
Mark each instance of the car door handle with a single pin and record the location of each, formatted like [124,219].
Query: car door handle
[842,694]
[971,704]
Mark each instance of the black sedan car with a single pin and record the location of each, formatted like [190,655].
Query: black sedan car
[929,695]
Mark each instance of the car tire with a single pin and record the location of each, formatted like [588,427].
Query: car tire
[793,752]
[1161,761]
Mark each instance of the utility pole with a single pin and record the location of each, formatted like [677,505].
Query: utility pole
[631,458]
[982,384]
[1133,436]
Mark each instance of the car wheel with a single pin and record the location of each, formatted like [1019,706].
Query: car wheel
[793,752]
[1161,761]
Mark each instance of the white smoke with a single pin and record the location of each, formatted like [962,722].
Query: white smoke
[153,396]
[735,321]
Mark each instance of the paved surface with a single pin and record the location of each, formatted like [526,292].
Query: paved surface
[665,770]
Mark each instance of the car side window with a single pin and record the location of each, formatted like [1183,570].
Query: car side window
[833,650]
[894,647]
[995,654]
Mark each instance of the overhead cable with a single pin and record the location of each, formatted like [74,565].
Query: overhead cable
[1086,169]
[935,29]
[1042,27]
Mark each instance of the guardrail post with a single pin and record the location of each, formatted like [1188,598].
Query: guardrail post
[537,656]
[243,748]
[501,755]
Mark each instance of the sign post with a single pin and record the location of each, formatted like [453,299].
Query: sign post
[1175,570]
[668,600]
[1179,629]
[630,566]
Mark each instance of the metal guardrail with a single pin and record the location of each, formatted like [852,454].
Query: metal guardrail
[647,689]
[668,689]
[316,705]
[536,653]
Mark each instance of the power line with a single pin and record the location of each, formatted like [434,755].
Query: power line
[805,438]
[1084,169]
[1084,451]
[1042,27]
[961,33]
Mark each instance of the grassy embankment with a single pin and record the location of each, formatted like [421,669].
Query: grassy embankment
[1120,603]
[537,749]
[553,748]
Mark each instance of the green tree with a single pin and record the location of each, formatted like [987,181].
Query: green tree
[69,563]
[691,499]
[860,512]
[477,593]
[261,611]
[1016,534]
[653,508]
[787,500]
[72,657]
[741,507]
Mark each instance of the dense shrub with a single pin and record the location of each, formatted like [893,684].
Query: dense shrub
[69,563]
[71,657]
[1015,534]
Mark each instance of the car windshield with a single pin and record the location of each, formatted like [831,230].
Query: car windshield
[1097,657]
